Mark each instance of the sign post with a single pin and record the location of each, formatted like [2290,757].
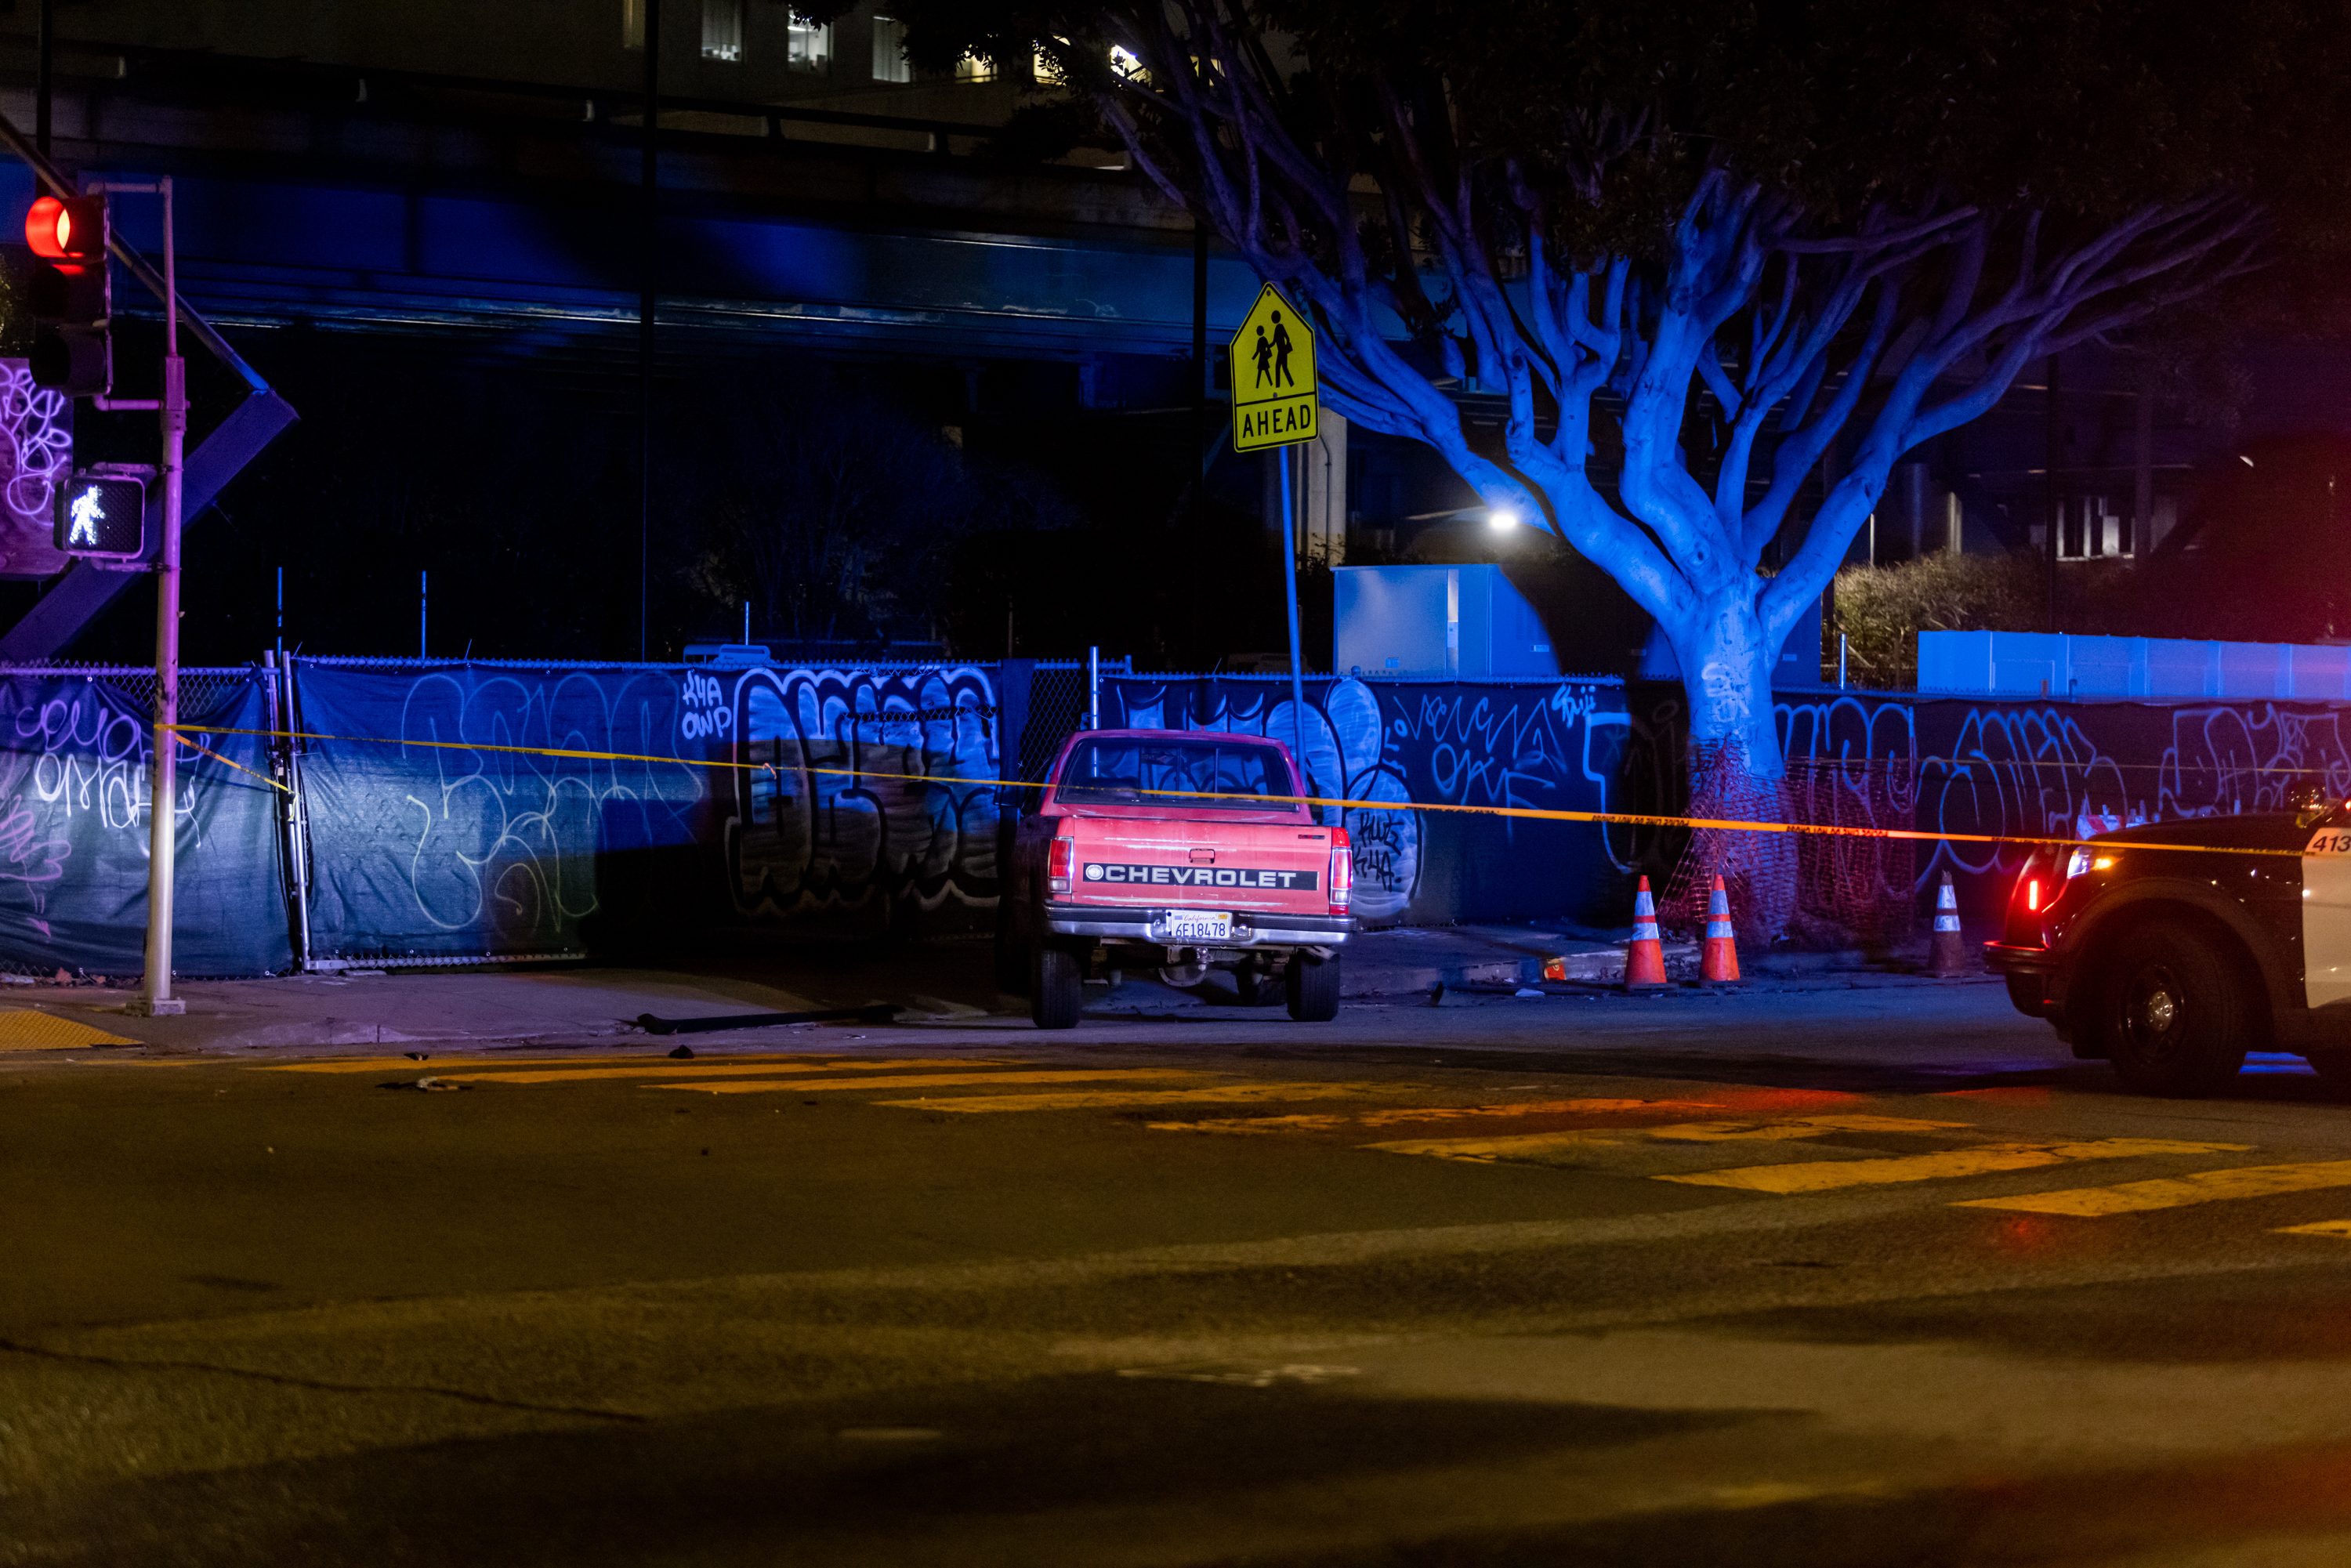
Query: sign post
[1275,405]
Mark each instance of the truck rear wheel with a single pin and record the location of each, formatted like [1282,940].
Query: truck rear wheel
[1313,988]
[2171,1011]
[1056,986]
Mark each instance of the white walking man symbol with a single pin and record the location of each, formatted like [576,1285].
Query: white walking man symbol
[86,515]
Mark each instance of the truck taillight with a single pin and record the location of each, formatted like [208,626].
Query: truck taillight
[1342,870]
[1061,864]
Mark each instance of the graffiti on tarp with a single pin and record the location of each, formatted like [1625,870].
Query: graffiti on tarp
[76,760]
[506,843]
[2045,770]
[2225,760]
[474,832]
[835,815]
[1547,746]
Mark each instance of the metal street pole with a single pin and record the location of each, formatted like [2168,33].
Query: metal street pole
[155,997]
[1290,583]
[650,193]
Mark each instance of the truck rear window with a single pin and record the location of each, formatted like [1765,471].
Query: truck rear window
[1125,772]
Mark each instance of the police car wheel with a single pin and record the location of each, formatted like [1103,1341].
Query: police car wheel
[1056,987]
[2171,1013]
[1313,988]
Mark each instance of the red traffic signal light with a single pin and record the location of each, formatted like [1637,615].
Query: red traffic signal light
[66,230]
[70,296]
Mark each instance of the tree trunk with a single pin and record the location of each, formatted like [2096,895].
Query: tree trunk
[1736,773]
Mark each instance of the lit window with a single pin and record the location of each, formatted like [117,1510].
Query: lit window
[808,44]
[971,67]
[1126,63]
[890,50]
[632,24]
[722,30]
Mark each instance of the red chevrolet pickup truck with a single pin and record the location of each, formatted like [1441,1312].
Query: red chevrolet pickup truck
[1174,851]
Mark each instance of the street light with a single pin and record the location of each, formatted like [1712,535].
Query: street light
[1502,518]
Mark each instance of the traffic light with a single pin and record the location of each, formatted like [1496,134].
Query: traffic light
[70,296]
[103,514]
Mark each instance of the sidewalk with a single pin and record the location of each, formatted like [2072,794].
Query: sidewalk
[577,1004]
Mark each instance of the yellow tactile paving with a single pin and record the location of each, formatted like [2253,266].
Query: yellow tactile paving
[1533,1145]
[2172,1192]
[22,1029]
[932,1081]
[1085,1100]
[1985,1159]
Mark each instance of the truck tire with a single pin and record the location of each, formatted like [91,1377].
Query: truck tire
[2171,1010]
[1313,988]
[1057,983]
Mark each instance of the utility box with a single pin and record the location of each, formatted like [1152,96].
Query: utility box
[1464,623]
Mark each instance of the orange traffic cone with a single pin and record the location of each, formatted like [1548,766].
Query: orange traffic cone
[1645,960]
[1720,965]
[1948,955]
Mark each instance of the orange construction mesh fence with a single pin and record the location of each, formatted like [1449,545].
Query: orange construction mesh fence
[1814,890]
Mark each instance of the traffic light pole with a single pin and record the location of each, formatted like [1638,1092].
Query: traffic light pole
[155,997]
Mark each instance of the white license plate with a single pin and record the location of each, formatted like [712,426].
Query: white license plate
[1199,925]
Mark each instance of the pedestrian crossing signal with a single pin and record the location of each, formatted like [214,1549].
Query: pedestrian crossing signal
[104,516]
[1274,398]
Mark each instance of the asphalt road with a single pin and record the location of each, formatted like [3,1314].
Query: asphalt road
[1839,1274]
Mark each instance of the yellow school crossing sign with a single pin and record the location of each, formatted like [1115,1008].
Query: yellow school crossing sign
[1273,376]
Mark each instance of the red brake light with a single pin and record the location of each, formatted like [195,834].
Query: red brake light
[2033,892]
[1342,870]
[1061,864]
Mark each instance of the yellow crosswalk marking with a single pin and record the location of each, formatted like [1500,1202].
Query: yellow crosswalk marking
[931,1081]
[1531,1146]
[2322,1228]
[1333,1121]
[1798,1127]
[814,1062]
[2171,1192]
[1823,1176]
[700,1069]
[1228,1094]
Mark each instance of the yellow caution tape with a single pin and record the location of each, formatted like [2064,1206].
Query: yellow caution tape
[1533,813]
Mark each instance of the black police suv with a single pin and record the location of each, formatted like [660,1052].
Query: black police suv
[2173,961]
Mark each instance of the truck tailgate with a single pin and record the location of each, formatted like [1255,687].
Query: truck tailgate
[1200,864]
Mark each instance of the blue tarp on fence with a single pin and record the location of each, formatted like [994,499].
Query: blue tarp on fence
[76,755]
[775,798]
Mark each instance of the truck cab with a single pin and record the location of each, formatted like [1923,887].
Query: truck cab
[1179,852]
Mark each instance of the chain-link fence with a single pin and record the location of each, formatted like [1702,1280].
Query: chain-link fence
[203,690]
